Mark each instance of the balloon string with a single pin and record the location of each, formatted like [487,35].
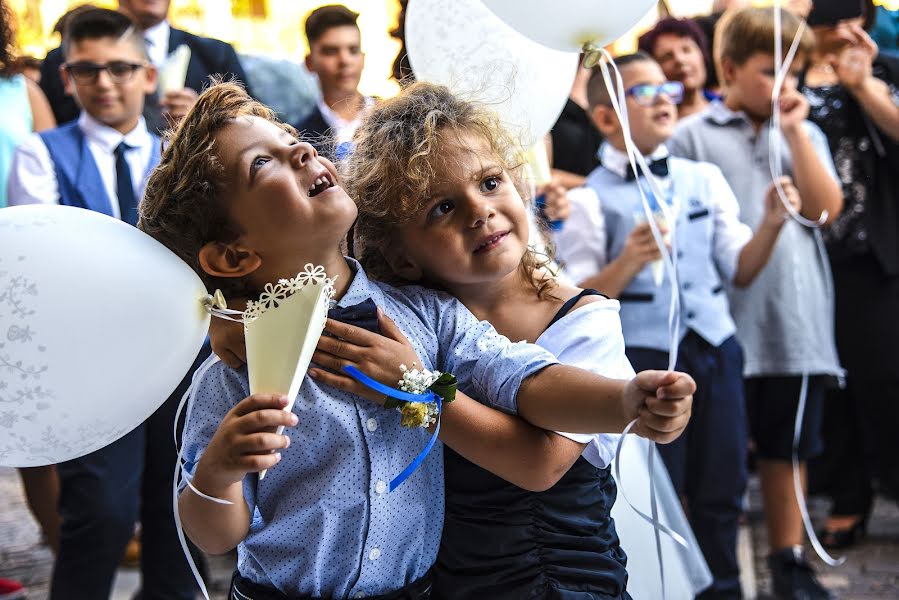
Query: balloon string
[775,164]
[637,161]
[180,476]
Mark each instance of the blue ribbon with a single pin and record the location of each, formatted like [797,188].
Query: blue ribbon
[402,397]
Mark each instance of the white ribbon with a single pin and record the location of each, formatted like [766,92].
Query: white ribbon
[775,164]
[669,260]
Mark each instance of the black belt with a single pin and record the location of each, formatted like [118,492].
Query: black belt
[244,589]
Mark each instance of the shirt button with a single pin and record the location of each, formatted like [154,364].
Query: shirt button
[380,487]
[690,314]
[359,595]
[375,554]
[371,424]
[687,285]
[680,253]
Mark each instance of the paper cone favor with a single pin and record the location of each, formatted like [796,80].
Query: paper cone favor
[173,73]
[657,267]
[282,330]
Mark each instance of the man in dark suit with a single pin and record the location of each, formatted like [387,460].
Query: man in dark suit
[336,57]
[207,57]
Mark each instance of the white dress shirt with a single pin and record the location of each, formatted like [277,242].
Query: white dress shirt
[341,129]
[157,41]
[32,178]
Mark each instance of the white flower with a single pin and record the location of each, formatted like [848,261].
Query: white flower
[311,274]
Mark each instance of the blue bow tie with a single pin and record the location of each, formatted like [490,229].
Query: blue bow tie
[657,167]
[364,315]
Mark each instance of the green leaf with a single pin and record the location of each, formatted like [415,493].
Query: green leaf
[445,387]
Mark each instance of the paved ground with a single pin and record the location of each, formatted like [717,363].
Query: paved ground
[871,571]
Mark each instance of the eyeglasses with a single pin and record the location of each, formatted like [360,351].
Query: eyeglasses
[647,95]
[88,73]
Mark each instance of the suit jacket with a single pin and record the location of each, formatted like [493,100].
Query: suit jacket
[315,130]
[207,57]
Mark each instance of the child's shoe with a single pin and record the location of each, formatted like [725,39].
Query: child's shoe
[792,577]
[11,590]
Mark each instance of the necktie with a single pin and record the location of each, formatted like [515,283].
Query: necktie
[124,186]
[658,168]
[364,314]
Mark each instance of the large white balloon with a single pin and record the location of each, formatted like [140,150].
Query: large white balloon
[461,44]
[570,24]
[98,324]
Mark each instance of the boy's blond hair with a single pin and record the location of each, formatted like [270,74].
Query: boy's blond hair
[396,159]
[742,33]
[183,206]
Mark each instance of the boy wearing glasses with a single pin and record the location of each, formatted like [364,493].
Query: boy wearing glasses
[609,246]
[101,162]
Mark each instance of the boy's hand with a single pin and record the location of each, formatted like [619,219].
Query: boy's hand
[793,111]
[640,247]
[663,401]
[378,356]
[245,442]
[176,104]
[227,338]
[557,207]
[775,212]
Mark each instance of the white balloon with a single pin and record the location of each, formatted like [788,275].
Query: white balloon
[570,24]
[98,324]
[464,46]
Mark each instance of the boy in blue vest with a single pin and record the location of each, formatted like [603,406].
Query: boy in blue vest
[607,245]
[101,162]
[785,319]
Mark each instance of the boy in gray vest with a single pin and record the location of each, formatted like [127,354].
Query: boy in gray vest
[608,245]
[785,319]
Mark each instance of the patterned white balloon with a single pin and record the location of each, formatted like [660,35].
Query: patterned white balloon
[98,324]
[464,46]
[570,24]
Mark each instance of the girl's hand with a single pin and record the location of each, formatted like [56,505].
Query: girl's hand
[378,356]
[245,442]
[663,401]
[775,211]
[227,338]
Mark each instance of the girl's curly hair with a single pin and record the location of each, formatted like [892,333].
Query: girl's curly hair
[7,41]
[395,163]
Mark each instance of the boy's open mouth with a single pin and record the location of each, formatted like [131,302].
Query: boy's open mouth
[321,183]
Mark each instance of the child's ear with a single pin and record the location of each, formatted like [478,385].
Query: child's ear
[152,78]
[605,119]
[228,260]
[401,264]
[67,82]
[728,71]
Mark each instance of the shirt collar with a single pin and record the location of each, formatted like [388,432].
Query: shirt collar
[157,39]
[335,121]
[719,114]
[108,138]
[361,288]
[617,162]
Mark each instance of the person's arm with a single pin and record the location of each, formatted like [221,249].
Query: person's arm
[818,188]
[41,114]
[854,67]
[567,179]
[32,179]
[639,249]
[242,444]
[757,251]
[554,397]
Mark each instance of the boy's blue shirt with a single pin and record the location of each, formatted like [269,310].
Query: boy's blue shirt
[785,317]
[323,523]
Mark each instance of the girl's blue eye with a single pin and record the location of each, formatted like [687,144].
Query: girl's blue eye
[489,184]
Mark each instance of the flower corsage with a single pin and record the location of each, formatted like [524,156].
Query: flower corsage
[420,382]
